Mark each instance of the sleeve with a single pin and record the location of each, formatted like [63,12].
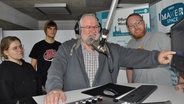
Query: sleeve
[140,58]
[135,58]
[57,70]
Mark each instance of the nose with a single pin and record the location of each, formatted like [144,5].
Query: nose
[53,30]
[92,31]
[136,26]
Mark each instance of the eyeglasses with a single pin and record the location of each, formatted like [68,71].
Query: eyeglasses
[135,25]
[17,47]
[91,27]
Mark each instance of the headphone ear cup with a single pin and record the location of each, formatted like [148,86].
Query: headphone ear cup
[76,28]
[100,26]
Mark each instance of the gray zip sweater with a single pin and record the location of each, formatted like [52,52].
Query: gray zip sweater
[67,71]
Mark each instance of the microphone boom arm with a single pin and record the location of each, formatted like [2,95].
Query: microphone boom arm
[105,30]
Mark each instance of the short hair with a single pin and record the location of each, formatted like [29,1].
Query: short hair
[5,44]
[49,23]
[133,14]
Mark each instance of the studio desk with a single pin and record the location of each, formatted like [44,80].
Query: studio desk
[162,93]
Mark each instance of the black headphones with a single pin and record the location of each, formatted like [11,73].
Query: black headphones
[77,28]
[77,25]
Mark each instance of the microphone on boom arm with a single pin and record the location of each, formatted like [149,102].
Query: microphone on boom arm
[95,44]
[101,46]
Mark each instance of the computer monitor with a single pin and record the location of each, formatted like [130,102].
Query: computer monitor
[177,45]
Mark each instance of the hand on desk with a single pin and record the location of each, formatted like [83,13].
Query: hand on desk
[55,97]
[179,87]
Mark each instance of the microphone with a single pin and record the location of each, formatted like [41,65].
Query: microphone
[95,44]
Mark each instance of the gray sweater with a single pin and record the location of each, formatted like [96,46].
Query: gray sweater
[67,71]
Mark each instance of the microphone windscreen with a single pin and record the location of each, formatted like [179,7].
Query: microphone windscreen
[95,44]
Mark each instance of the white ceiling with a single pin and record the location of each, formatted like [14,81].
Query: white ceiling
[77,7]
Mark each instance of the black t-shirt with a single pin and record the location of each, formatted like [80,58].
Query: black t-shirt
[44,53]
[18,81]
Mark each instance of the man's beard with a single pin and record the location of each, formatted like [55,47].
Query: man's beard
[139,36]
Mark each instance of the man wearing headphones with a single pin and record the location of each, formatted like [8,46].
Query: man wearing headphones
[78,65]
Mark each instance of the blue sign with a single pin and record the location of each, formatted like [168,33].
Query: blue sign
[171,14]
[142,11]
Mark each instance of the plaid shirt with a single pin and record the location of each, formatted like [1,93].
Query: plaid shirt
[91,63]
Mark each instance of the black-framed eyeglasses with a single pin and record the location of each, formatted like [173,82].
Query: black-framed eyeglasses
[135,24]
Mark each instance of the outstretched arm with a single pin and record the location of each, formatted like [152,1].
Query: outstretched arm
[165,57]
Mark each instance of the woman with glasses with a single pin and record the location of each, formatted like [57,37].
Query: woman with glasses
[17,78]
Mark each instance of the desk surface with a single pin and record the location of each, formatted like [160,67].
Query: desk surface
[162,93]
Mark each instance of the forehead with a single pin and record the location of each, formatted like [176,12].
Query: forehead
[89,20]
[134,18]
[51,27]
[14,43]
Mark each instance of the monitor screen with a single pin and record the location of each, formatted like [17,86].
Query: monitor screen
[177,45]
